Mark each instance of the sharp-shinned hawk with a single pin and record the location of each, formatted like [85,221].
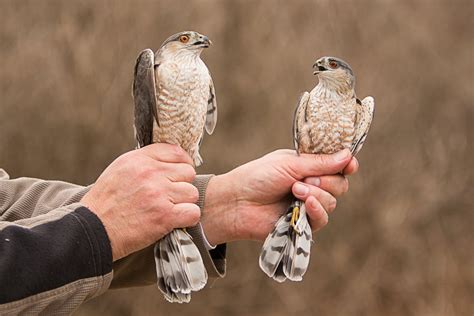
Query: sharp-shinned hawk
[328,119]
[175,102]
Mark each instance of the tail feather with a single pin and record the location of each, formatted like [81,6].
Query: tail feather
[286,251]
[296,260]
[179,267]
[197,159]
[274,247]
[191,261]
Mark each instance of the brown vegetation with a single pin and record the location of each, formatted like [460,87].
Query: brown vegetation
[400,242]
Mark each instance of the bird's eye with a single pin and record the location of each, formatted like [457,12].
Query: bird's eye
[184,39]
[333,64]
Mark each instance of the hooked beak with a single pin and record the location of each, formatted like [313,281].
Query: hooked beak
[318,68]
[204,42]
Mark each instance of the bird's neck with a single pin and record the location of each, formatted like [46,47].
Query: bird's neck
[340,87]
[184,56]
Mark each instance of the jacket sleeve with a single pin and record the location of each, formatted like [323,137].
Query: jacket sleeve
[54,253]
[139,269]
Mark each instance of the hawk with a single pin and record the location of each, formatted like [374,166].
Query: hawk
[175,102]
[328,119]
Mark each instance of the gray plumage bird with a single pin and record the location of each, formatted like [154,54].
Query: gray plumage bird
[328,119]
[175,102]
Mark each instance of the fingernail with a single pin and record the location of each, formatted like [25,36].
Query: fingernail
[341,155]
[313,181]
[301,189]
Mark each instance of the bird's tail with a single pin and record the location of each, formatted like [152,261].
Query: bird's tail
[285,253]
[179,267]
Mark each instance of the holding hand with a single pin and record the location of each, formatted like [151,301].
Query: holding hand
[246,202]
[143,195]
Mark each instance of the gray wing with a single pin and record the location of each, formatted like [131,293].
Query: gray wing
[144,97]
[364,115]
[211,115]
[299,117]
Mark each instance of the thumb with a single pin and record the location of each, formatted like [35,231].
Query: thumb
[307,165]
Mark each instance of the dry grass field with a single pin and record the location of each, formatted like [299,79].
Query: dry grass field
[401,242]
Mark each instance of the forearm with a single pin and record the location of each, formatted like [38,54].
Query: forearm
[62,256]
[219,210]
[28,197]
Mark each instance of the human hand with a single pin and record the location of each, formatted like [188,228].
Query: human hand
[246,202]
[143,195]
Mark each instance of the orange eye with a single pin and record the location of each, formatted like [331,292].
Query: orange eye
[184,39]
[333,64]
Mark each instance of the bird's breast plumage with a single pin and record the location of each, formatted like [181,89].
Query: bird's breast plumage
[330,122]
[183,93]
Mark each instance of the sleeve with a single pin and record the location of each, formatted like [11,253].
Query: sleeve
[54,253]
[138,269]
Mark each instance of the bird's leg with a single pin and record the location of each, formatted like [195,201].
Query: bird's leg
[294,217]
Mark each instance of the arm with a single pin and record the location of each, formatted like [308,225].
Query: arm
[42,231]
[51,263]
[28,197]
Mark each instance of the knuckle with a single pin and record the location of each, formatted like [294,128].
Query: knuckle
[194,194]
[152,192]
[194,214]
[323,221]
[345,185]
[189,172]
[126,158]
[332,204]
[179,152]
[146,173]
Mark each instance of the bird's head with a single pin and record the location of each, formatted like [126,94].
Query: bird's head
[188,41]
[334,72]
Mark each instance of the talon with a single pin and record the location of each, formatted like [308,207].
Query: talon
[294,218]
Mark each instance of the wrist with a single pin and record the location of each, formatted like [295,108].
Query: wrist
[218,214]
[110,230]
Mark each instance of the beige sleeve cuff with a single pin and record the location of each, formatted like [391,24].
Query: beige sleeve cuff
[214,259]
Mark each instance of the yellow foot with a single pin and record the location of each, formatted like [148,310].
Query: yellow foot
[294,218]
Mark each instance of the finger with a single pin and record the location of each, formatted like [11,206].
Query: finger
[336,185]
[304,191]
[318,217]
[166,153]
[307,165]
[177,172]
[185,215]
[183,192]
[352,167]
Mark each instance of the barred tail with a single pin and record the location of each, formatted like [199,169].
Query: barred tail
[286,251]
[179,267]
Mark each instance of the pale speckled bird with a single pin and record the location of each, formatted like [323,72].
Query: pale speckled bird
[175,102]
[328,119]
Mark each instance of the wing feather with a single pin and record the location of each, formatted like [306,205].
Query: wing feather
[211,115]
[144,97]
[364,115]
[299,117]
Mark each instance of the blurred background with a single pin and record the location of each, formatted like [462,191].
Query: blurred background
[401,241]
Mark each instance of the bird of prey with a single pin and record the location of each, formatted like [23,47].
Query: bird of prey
[175,102]
[328,119]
